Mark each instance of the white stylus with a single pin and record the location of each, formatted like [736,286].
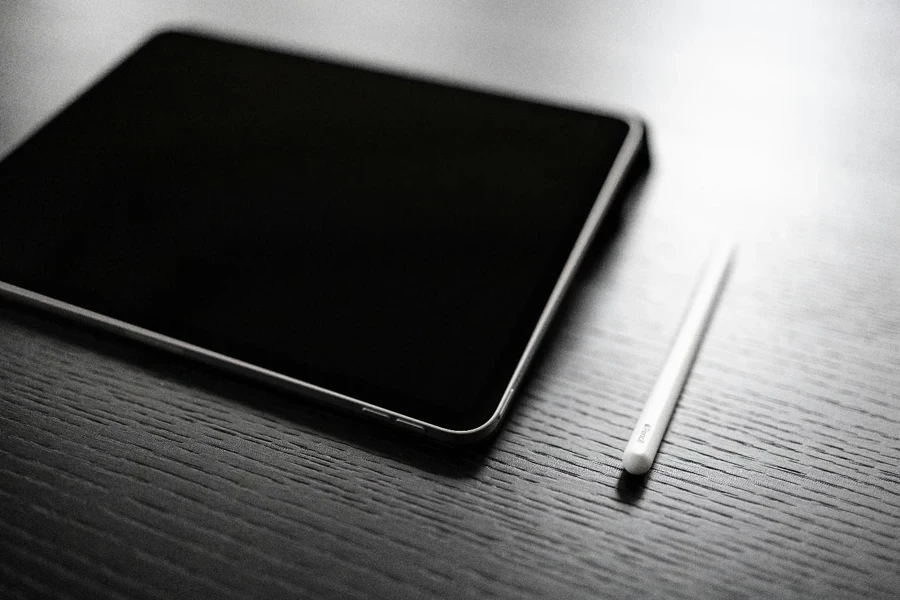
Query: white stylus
[654,419]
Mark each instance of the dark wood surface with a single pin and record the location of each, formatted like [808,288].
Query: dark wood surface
[127,472]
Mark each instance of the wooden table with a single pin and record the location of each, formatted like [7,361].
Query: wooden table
[128,472]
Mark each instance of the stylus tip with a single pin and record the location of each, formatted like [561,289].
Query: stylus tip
[636,463]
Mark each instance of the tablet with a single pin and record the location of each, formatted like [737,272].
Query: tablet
[390,245]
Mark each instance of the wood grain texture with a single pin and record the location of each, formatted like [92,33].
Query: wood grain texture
[125,472]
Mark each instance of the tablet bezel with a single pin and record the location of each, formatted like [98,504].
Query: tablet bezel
[611,186]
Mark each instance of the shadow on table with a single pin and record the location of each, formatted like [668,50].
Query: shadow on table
[630,488]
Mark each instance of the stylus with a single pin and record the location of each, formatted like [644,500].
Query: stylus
[654,420]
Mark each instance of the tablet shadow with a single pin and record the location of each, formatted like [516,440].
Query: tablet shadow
[321,422]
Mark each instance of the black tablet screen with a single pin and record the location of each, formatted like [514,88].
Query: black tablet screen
[389,239]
